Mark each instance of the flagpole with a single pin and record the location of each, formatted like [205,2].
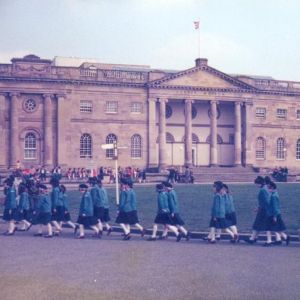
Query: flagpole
[197,28]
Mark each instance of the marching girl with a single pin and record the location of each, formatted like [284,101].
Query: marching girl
[43,212]
[174,210]
[86,213]
[275,222]
[230,215]
[218,221]
[65,218]
[24,209]
[10,206]
[260,223]
[97,202]
[57,205]
[163,214]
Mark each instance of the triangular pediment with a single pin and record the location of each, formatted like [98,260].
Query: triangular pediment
[201,77]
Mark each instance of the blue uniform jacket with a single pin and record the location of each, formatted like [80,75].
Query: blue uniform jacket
[24,203]
[218,208]
[263,198]
[55,199]
[86,205]
[44,203]
[229,205]
[99,196]
[11,198]
[173,202]
[64,199]
[162,203]
[127,201]
[274,207]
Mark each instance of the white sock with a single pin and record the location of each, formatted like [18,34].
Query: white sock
[165,231]
[27,223]
[40,229]
[269,237]
[49,228]
[277,236]
[253,235]
[183,230]
[71,224]
[218,232]
[234,229]
[11,226]
[107,226]
[23,227]
[230,232]
[212,233]
[95,228]
[56,225]
[284,235]
[100,226]
[81,230]
[154,232]
[125,229]
[139,226]
[172,228]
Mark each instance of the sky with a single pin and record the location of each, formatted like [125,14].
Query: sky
[254,37]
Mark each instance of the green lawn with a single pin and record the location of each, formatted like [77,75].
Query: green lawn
[195,204]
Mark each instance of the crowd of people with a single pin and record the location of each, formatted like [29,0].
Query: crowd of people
[28,202]
[280,174]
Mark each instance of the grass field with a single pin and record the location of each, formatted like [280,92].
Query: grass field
[195,204]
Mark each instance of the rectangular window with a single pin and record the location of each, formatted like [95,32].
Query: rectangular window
[281,113]
[260,112]
[111,107]
[298,114]
[86,106]
[30,154]
[136,107]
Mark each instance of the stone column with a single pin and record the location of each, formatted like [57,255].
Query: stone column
[248,134]
[14,130]
[152,151]
[62,124]
[213,133]
[237,134]
[48,132]
[4,149]
[188,132]
[162,134]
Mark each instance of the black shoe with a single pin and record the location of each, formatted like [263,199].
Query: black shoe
[80,237]
[76,229]
[288,239]
[151,239]
[109,231]
[143,232]
[100,234]
[205,238]
[179,236]
[57,233]
[249,241]
[22,230]
[38,234]
[267,244]
[212,241]
[48,236]
[127,237]
[277,243]
[218,239]
[233,241]
[9,233]
[163,237]
[188,236]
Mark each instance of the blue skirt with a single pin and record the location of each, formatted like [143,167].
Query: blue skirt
[230,219]
[129,217]
[9,216]
[26,214]
[43,218]
[59,215]
[176,220]
[219,223]
[163,218]
[101,214]
[261,220]
[275,226]
[87,221]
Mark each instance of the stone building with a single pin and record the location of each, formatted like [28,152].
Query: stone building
[55,114]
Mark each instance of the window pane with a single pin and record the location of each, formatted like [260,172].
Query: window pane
[111,107]
[260,148]
[110,139]
[86,146]
[30,148]
[86,106]
[280,149]
[136,146]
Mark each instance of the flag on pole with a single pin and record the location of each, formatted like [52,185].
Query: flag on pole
[196,24]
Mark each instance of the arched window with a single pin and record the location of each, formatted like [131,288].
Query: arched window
[86,146]
[280,148]
[136,146]
[260,150]
[30,147]
[110,139]
[298,149]
[219,139]
[169,138]
[195,139]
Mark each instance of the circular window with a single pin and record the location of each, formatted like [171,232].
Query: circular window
[218,113]
[194,112]
[168,111]
[30,105]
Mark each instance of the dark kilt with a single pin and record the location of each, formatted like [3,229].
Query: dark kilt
[67,217]
[59,215]
[43,218]
[129,217]
[220,223]
[176,220]
[260,223]
[101,214]
[10,216]
[87,221]
[163,218]
[26,214]
[275,226]
[230,219]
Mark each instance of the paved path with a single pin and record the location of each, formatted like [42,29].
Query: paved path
[64,268]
